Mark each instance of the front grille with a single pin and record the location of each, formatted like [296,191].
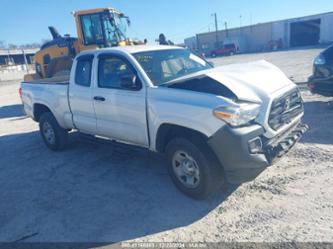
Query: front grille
[285,108]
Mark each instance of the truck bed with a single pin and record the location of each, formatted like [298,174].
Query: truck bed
[58,79]
[51,92]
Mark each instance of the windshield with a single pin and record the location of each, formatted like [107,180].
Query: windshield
[229,46]
[166,65]
[115,28]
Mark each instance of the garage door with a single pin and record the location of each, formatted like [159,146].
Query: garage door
[305,33]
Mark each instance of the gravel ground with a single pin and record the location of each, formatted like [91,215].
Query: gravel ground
[297,64]
[105,192]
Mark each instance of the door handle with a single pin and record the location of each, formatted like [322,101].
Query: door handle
[99,98]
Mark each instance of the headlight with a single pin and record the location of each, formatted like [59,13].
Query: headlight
[237,115]
[320,60]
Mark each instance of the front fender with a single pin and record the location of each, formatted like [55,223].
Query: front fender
[195,114]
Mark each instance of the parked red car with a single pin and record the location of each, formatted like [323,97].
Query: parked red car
[228,49]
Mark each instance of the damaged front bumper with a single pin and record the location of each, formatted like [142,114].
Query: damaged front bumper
[245,152]
[277,147]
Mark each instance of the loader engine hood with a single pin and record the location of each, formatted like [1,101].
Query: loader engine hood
[252,81]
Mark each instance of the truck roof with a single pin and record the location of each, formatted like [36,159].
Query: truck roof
[93,11]
[134,49]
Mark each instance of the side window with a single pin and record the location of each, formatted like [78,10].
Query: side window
[92,29]
[46,59]
[83,72]
[114,72]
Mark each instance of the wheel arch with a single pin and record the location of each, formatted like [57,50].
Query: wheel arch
[39,109]
[166,132]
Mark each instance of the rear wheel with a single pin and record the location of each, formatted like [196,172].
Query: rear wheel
[192,168]
[54,136]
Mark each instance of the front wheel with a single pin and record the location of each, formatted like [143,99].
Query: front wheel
[192,169]
[54,136]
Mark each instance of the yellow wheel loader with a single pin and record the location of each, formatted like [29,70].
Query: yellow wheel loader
[96,28]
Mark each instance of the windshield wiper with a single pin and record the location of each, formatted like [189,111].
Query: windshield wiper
[168,83]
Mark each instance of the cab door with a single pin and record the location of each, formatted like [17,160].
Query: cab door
[119,101]
[80,95]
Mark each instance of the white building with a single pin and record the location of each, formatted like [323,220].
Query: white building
[17,56]
[294,32]
[191,42]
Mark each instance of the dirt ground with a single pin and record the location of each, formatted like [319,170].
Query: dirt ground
[105,192]
[297,64]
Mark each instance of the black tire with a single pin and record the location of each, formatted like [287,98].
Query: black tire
[47,122]
[211,173]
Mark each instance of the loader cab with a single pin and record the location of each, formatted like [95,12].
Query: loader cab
[101,28]
[96,28]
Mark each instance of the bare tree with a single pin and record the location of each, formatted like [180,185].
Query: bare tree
[3,45]
[43,41]
[12,46]
[30,45]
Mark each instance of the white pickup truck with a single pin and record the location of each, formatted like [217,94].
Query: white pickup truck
[212,123]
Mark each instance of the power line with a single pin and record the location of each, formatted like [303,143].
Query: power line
[174,36]
[216,30]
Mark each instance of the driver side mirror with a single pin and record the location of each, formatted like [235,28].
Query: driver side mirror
[130,83]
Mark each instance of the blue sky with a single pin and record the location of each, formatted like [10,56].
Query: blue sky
[27,21]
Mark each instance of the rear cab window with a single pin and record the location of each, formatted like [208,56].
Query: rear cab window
[83,70]
[230,46]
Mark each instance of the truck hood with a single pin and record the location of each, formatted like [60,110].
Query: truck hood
[252,81]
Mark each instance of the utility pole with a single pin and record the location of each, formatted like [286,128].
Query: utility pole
[25,61]
[226,29]
[216,31]
[251,21]
[8,58]
[251,18]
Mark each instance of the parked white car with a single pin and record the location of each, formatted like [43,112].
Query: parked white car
[213,124]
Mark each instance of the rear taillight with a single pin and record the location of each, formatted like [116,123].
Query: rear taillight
[20,92]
